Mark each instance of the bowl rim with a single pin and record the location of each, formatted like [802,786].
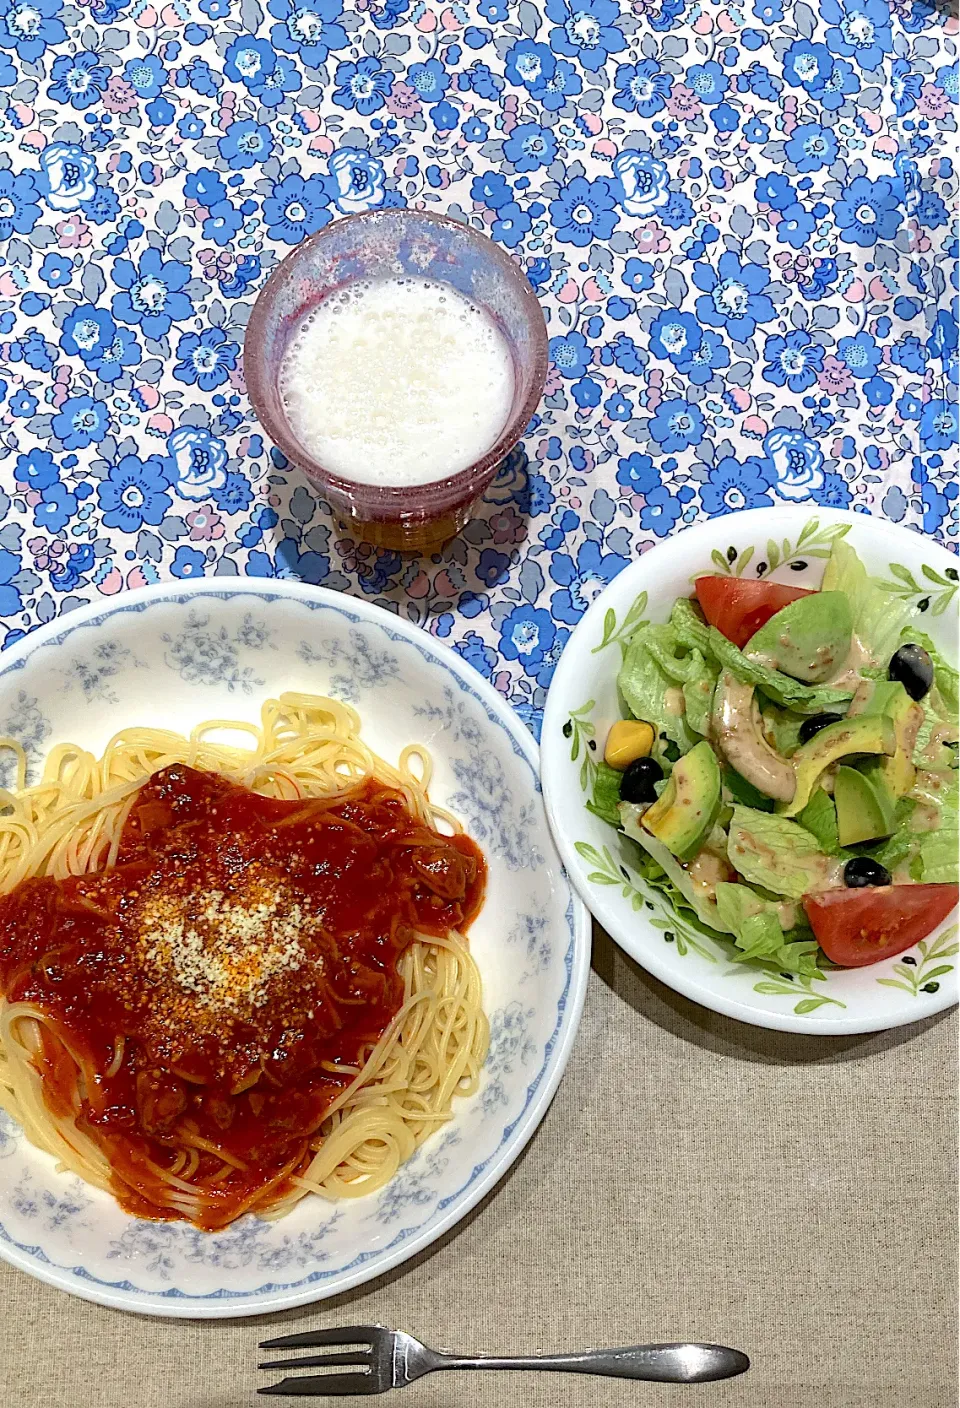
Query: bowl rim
[708,532]
[392,496]
[74,1279]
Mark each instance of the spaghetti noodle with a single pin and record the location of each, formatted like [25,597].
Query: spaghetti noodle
[230,975]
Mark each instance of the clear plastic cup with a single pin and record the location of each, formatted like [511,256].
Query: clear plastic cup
[384,244]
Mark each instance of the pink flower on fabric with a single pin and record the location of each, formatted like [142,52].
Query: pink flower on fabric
[835,377]
[403,100]
[73,234]
[683,102]
[120,96]
[204,524]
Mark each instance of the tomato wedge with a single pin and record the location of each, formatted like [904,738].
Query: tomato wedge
[857,927]
[739,608]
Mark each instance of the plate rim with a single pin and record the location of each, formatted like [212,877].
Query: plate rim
[553,789]
[75,1280]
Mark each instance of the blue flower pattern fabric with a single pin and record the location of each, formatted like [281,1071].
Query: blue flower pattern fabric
[736,217]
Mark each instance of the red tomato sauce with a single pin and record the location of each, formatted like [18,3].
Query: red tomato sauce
[241,946]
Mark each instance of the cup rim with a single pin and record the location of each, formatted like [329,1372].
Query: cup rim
[279,431]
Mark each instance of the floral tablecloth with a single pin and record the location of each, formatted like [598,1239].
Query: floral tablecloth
[736,220]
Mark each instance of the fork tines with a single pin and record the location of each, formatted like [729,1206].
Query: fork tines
[313,1339]
[338,1354]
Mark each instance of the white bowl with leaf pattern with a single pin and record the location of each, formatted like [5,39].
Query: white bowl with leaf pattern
[784,544]
[173,655]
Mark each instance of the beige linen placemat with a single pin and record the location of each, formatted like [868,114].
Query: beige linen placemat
[694,1178]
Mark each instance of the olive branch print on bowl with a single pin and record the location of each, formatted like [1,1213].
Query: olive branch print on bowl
[813,541]
[786,546]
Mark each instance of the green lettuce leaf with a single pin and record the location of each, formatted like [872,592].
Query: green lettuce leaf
[898,849]
[819,817]
[777,854]
[735,903]
[782,727]
[946,680]
[798,956]
[606,794]
[936,745]
[936,859]
[757,942]
[698,694]
[648,688]
[758,934]
[792,694]
[663,644]
[704,908]
[658,880]
[690,625]
[744,792]
[878,615]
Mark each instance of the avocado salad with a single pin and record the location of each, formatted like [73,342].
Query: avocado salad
[788,768]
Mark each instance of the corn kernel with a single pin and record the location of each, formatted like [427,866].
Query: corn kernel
[627,741]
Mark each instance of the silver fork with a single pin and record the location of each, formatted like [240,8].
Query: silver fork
[382,1359]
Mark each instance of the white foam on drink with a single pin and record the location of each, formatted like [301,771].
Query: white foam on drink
[397,381]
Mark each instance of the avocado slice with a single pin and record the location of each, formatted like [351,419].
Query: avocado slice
[889,697]
[866,733]
[808,640]
[865,809]
[685,810]
[737,728]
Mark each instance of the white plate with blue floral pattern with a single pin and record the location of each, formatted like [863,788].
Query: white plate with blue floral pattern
[176,654]
[785,544]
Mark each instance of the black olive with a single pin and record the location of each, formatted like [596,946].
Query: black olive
[811,726]
[912,666]
[636,785]
[863,871]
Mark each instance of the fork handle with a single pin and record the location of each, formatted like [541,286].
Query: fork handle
[659,1363]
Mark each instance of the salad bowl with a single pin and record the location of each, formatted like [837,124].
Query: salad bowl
[909,590]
